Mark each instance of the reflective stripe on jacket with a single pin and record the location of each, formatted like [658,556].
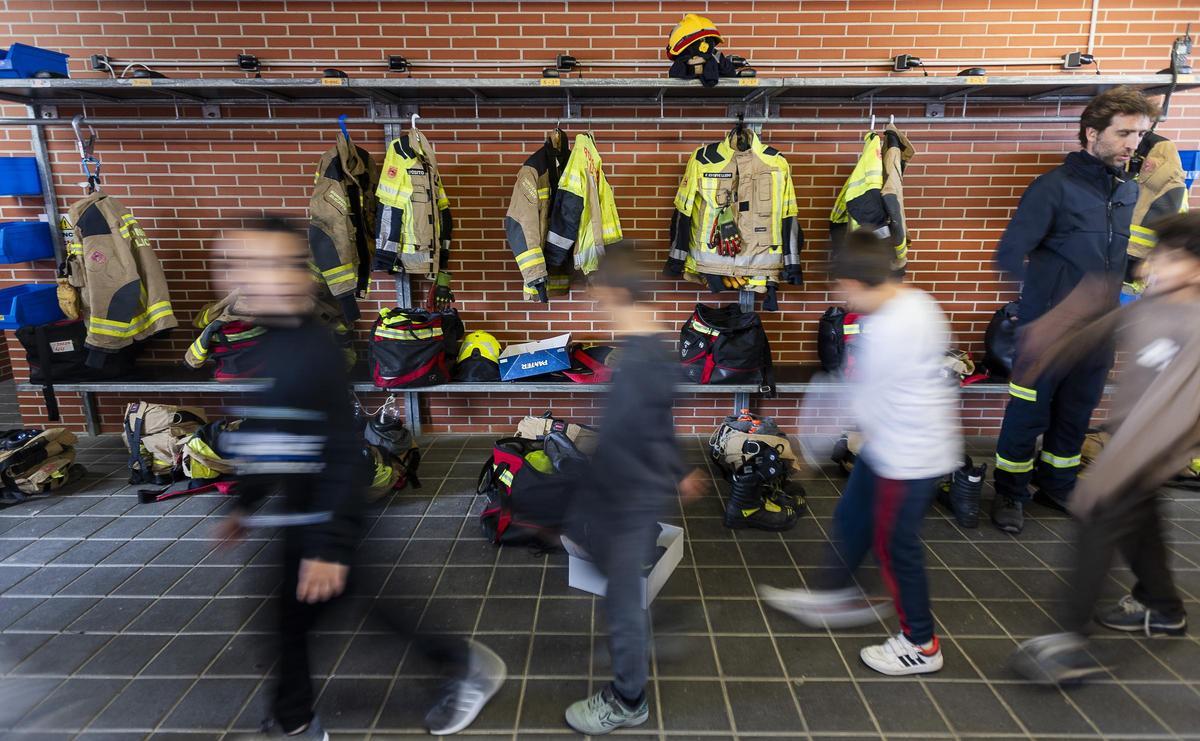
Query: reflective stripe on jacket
[583,214]
[414,225]
[873,195]
[121,282]
[528,218]
[757,183]
[341,213]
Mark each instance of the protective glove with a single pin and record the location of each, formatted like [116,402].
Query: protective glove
[794,275]
[441,294]
[68,297]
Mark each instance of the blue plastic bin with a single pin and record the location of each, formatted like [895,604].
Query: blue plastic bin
[30,304]
[19,177]
[23,60]
[22,241]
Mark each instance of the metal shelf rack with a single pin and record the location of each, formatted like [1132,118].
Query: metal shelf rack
[389,102]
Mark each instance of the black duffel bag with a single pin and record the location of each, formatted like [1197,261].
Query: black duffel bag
[726,345]
[1000,341]
[57,354]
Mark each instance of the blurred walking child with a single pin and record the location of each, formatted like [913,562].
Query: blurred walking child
[907,413]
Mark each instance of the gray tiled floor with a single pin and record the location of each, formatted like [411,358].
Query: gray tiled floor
[126,621]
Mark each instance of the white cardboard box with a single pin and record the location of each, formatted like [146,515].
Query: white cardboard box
[583,574]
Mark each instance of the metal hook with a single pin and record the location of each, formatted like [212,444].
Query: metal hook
[85,148]
[891,119]
[413,121]
[872,122]
[342,126]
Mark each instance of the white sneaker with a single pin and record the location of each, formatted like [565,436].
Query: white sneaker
[466,697]
[832,608]
[899,656]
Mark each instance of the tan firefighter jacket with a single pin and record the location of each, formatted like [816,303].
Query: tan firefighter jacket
[341,231]
[755,184]
[1161,192]
[414,224]
[583,214]
[873,195]
[120,281]
[528,219]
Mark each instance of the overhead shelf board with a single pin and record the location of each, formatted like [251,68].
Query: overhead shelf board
[1008,88]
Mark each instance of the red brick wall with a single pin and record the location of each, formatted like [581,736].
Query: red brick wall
[184,184]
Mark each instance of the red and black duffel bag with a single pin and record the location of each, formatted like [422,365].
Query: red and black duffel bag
[726,345]
[527,501]
[414,347]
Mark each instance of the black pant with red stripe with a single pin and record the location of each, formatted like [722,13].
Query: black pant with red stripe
[885,515]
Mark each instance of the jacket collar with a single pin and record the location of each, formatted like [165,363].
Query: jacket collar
[727,146]
[1087,165]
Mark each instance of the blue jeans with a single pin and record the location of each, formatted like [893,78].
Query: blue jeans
[886,515]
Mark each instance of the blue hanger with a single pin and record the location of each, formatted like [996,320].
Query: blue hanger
[342,126]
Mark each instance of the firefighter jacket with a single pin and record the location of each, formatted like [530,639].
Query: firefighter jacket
[1071,222]
[873,195]
[583,214]
[341,230]
[413,214]
[228,333]
[528,219]
[755,182]
[120,281]
[1161,192]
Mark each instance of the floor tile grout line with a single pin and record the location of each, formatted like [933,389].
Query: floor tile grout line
[827,539]
[412,638]
[708,624]
[537,608]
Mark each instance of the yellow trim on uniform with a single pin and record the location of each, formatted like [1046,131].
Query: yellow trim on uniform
[409,334]
[850,329]
[1059,461]
[1022,393]
[1003,464]
[529,258]
[110,328]
[198,350]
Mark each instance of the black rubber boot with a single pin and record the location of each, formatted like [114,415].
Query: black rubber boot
[966,490]
[749,507]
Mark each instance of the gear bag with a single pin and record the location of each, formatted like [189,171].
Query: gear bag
[726,345]
[155,435]
[536,428]
[398,450]
[36,462]
[837,331]
[414,347]
[56,354]
[1000,341]
[528,485]
[728,443]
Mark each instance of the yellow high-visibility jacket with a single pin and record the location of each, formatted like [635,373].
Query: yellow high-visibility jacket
[341,230]
[1161,192]
[583,214]
[756,182]
[873,195]
[414,213]
[528,219]
[120,281]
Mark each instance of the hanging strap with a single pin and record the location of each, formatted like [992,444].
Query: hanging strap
[46,358]
[133,433]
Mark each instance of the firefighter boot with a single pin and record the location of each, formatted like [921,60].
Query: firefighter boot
[748,507]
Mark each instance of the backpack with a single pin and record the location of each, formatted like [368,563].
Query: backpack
[837,332]
[410,348]
[155,436]
[56,354]
[1000,341]
[36,462]
[397,449]
[726,345]
[528,485]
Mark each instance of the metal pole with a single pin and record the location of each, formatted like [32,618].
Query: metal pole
[1091,46]
[541,121]
[49,199]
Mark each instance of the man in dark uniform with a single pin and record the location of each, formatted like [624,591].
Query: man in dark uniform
[1071,222]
